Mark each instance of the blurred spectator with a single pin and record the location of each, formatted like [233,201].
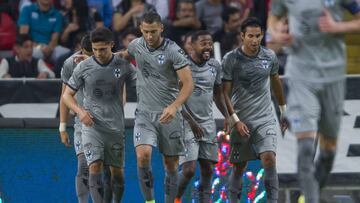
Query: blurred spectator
[23,64]
[44,24]
[279,50]
[228,35]
[244,7]
[209,13]
[260,11]
[185,21]
[7,31]
[104,8]
[161,6]
[77,20]
[186,43]
[128,13]
[127,36]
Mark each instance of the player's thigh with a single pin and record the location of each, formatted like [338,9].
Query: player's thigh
[78,143]
[191,147]
[93,144]
[241,149]
[208,151]
[332,105]
[115,149]
[265,136]
[145,132]
[171,137]
[303,106]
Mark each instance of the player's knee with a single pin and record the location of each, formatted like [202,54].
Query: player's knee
[268,159]
[96,167]
[189,172]
[143,160]
[171,163]
[83,169]
[328,143]
[239,168]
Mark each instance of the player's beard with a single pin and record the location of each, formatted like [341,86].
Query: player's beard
[205,55]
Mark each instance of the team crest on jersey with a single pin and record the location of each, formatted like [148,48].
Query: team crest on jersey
[117,72]
[89,155]
[212,70]
[329,3]
[161,59]
[265,64]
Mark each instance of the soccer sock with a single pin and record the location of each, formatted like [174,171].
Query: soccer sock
[183,183]
[324,165]
[96,187]
[171,181]
[146,183]
[271,183]
[107,184]
[82,180]
[117,184]
[235,187]
[205,188]
[306,170]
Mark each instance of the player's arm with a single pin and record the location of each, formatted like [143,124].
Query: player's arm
[235,121]
[327,23]
[68,98]
[277,88]
[184,75]
[221,104]
[277,35]
[64,113]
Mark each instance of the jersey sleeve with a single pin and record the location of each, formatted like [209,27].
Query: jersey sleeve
[218,73]
[227,68]
[24,18]
[177,56]
[132,47]
[353,6]
[278,8]
[275,66]
[67,70]
[131,76]
[76,80]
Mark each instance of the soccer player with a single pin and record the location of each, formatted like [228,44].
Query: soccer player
[200,132]
[315,74]
[158,122]
[101,77]
[248,72]
[82,175]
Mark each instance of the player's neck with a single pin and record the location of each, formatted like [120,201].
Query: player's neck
[157,45]
[195,58]
[249,52]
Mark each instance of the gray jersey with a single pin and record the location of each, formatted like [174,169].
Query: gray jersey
[205,76]
[315,56]
[66,72]
[250,76]
[103,88]
[157,82]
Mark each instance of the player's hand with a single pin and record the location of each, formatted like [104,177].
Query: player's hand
[65,138]
[283,125]
[284,39]
[197,130]
[79,58]
[42,75]
[86,118]
[168,114]
[227,126]
[327,23]
[242,129]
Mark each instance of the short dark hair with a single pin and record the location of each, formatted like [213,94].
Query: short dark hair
[151,17]
[101,34]
[22,38]
[198,33]
[251,22]
[131,31]
[228,11]
[86,43]
[185,2]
